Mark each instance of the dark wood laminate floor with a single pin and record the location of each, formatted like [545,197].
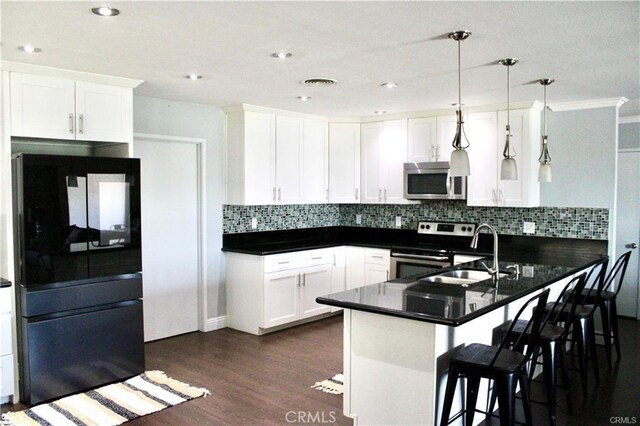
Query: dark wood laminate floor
[258,380]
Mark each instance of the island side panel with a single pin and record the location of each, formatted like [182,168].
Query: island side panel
[390,373]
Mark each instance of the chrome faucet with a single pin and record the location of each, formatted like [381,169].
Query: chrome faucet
[493,271]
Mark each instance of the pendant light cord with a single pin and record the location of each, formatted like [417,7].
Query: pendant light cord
[459,83]
[545,110]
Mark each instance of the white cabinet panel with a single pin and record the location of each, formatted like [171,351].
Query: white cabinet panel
[375,273]
[384,151]
[58,108]
[422,140]
[446,126]
[103,112]
[316,281]
[315,167]
[344,162]
[288,142]
[280,297]
[259,158]
[42,107]
[482,133]
[355,267]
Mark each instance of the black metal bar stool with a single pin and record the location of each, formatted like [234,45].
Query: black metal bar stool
[583,324]
[607,304]
[552,341]
[505,367]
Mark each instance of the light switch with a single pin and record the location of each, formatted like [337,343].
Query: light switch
[254,222]
[529,228]
[358,219]
[398,221]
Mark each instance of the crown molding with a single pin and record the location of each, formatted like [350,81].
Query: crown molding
[629,119]
[587,104]
[256,108]
[70,74]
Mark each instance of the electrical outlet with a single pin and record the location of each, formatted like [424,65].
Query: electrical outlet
[398,221]
[358,219]
[254,222]
[527,271]
[529,228]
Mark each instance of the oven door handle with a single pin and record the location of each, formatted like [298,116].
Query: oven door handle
[421,257]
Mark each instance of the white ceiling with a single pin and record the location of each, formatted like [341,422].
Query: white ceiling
[592,49]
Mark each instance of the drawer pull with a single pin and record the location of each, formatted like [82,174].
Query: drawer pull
[316,258]
[283,263]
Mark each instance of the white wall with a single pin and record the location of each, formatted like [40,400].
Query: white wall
[171,118]
[629,135]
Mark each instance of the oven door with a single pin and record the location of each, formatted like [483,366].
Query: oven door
[404,265]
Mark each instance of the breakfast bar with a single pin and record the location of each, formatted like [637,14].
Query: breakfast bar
[400,334]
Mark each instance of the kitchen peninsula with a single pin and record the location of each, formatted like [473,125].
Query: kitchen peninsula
[399,335]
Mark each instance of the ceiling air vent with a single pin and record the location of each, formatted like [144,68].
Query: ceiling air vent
[319,82]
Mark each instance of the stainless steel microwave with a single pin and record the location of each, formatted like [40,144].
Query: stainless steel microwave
[431,181]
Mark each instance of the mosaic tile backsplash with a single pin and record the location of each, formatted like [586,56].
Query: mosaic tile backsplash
[588,223]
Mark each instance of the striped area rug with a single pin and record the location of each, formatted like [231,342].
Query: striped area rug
[333,385]
[109,405]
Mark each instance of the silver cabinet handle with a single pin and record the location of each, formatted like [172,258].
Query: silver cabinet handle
[304,279]
[283,263]
[298,280]
[334,259]
[387,275]
[437,153]
[81,125]
[279,194]
[274,193]
[493,196]
[377,257]
[71,123]
[632,245]
[501,199]
[385,195]
[433,153]
[357,190]
[379,195]
[327,192]
[316,258]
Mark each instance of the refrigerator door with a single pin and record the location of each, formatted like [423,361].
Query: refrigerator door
[51,210]
[113,215]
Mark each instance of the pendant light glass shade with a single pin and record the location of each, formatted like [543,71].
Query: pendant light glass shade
[459,163]
[508,167]
[544,173]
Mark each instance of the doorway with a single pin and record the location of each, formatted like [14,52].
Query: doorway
[171,184]
[628,229]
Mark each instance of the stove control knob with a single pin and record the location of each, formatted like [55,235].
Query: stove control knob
[428,226]
[464,229]
[422,226]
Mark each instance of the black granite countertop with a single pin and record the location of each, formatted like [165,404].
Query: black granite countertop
[449,304]
[513,248]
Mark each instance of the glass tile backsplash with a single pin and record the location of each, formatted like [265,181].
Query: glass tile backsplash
[590,223]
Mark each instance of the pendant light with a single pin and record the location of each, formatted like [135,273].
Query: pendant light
[544,173]
[508,168]
[459,165]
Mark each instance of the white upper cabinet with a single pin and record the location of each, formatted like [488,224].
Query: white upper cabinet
[344,162]
[446,126]
[315,162]
[276,159]
[60,108]
[288,155]
[422,140]
[384,151]
[487,136]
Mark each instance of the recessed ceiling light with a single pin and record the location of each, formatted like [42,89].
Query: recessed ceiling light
[389,84]
[27,48]
[304,98]
[379,112]
[193,77]
[281,54]
[105,11]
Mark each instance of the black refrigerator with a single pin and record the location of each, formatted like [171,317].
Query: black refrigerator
[77,234]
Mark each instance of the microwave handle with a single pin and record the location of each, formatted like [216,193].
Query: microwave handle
[449,179]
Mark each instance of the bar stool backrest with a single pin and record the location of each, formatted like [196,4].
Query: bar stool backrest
[531,332]
[569,295]
[594,281]
[616,275]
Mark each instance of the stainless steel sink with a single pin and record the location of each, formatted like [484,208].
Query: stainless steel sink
[461,277]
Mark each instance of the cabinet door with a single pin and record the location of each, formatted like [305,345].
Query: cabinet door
[446,130]
[288,144]
[355,267]
[316,281]
[392,157]
[375,273]
[281,297]
[42,107]
[344,162]
[315,165]
[338,272]
[371,179]
[483,159]
[103,112]
[259,158]
[422,140]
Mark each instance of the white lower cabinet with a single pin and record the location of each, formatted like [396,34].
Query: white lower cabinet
[264,292]
[366,266]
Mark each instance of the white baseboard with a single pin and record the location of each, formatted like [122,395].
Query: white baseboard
[217,323]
